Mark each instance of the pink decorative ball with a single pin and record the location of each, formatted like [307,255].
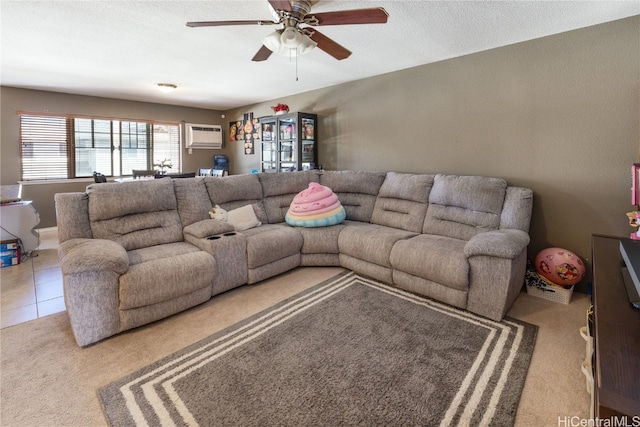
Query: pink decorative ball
[560,266]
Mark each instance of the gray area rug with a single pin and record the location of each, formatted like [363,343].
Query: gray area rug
[349,351]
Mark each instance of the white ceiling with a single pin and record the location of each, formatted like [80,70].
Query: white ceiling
[121,49]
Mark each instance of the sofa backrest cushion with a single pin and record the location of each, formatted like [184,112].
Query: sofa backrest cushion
[516,212]
[192,200]
[72,214]
[402,201]
[463,206]
[234,191]
[279,189]
[135,214]
[357,191]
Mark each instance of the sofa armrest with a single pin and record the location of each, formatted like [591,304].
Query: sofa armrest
[506,244]
[497,260]
[208,227]
[85,255]
[91,270]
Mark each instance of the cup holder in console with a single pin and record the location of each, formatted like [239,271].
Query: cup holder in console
[219,236]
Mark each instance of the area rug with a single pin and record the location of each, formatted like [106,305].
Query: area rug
[348,351]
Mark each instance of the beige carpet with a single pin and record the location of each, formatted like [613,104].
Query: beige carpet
[47,380]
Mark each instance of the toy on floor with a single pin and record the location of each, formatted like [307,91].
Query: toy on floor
[560,266]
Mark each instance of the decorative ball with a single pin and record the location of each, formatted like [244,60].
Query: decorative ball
[560,266]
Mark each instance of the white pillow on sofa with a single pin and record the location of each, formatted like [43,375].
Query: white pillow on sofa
[243,218]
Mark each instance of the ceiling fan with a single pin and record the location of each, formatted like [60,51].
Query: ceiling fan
[298,34]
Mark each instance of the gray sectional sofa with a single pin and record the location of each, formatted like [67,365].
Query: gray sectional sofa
[135,252]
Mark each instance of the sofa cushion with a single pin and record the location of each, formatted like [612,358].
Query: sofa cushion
[138,256]
[357,191]
[370,242]
[135,214]
[279,190]
[163,279]
[243,218]
[192,200]
[322,240]
[72,216]
[206,228]
[261,214]
[516,212]
[436,258]
[402,201]
[233,191]
[463,206]
[270,243]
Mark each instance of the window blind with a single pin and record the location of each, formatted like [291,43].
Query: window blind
[44,142]
[61,147]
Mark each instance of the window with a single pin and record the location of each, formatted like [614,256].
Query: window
[60,147]
[92,147]
[44,141]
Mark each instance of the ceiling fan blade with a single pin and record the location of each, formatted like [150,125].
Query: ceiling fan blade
[376,15]
[331,47]
[222,23]
[263,54]
[281,5]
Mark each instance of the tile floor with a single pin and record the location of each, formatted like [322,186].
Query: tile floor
[33,288]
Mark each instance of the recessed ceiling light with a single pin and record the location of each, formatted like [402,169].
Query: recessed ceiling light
[166,87]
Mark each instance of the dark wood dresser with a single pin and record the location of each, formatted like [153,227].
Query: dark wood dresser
[616,336]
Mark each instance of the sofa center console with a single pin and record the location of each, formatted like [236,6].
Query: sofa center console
[229,249]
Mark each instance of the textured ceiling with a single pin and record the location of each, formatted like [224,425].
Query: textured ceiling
[121,49]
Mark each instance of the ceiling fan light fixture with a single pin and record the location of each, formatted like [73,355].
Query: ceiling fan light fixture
[272,41]
[166,87]
[307,45]
[291,37]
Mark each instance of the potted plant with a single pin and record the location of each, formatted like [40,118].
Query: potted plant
[163,165]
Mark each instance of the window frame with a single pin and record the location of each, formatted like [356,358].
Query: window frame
[39,142]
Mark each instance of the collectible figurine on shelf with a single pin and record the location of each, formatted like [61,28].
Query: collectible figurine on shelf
[634,221]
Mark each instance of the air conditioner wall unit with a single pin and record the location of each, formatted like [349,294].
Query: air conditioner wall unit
[203,136]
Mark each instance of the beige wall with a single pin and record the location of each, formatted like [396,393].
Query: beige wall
[560,115]
[14,100]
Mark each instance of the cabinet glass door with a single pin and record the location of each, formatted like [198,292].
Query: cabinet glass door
[308,143]
[288,156]
[288,143]
[269,147]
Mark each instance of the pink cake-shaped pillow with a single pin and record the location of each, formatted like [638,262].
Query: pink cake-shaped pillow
[317,206]
[314,200]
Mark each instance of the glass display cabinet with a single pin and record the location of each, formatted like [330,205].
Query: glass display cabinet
[289,142]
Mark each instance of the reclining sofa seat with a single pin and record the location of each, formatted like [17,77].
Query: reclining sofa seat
[263,251]
[461,240]
[122,255]
[474,237]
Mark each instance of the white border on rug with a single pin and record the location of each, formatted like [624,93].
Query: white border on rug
[165,375]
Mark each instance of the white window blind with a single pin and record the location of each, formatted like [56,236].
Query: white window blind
[60,147]
[44,147]
[166,144]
